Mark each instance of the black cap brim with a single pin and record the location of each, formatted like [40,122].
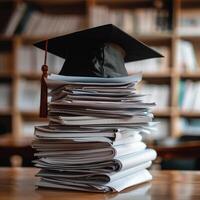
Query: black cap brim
[135,50]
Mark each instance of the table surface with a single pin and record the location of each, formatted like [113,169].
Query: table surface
[18,184]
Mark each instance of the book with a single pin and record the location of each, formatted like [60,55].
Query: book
[156,93]
[189,95]
[189,127]
[15,19]
[41,24]
[186,57]
[5,97]
[30,59]
[160,65]
[30,21]
[28,97]
[189,22]
[131,20]
[163,125]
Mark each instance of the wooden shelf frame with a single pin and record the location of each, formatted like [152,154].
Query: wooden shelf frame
[172,76]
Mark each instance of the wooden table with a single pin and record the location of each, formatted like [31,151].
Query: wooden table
[18,184]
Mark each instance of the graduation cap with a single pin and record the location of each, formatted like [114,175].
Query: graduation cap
[100,51]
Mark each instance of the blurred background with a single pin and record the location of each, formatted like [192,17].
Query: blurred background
[172,27]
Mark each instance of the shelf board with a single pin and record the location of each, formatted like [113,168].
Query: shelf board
[168,39]
[30,114]
[189,113]
[8,141]
[5,111]
[31,76]
[6,75]
[190,74]
[162,112]
[32,39]
[157,75]
[154,36]
[189,35]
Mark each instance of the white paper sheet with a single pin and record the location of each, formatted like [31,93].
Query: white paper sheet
[126,79]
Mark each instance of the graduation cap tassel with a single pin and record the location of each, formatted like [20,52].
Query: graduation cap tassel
[43,94]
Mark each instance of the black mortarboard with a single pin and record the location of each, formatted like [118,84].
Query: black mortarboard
[99,51]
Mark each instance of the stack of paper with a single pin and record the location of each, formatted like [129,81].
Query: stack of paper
[93,141]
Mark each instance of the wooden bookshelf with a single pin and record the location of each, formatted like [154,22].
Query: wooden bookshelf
[169,39]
